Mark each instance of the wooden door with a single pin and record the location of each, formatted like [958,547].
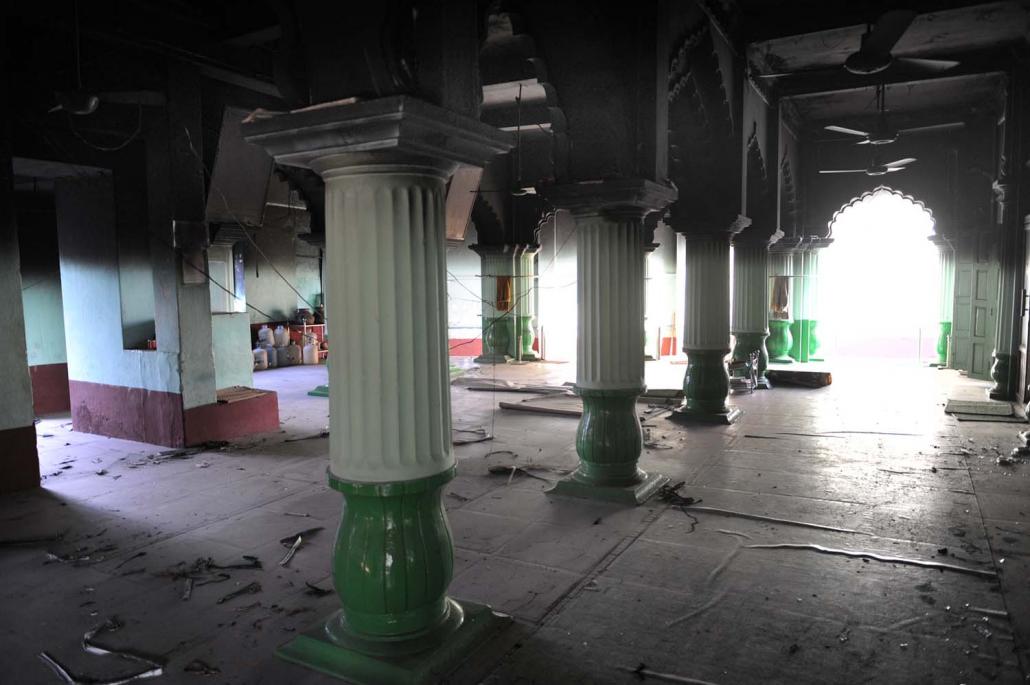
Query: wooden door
[976,301]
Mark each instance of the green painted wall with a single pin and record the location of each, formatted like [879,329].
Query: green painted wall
[234,360]
[41,280]
[295,259]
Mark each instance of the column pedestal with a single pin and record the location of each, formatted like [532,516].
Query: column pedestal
[390,441]
[706,331]
[779,342]
[610,336]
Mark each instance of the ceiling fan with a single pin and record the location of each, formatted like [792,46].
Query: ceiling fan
[81,101]
[883,133]
[874,55]
[875,168]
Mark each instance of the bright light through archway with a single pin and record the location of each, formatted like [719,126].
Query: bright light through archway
[880,279]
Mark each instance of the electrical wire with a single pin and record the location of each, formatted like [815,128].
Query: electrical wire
[113,148]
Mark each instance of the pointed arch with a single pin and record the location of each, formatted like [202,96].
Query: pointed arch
[880,189]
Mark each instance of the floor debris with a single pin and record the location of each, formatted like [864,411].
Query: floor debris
[19,542]
[251,588]
[294,542]
[642,672]
[324,433]
[198,667]
[525,470]
[983,573]
[154,666]
[474,435]
[316,591]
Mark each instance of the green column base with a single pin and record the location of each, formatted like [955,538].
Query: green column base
[469,625]
[745,344]
[1000,376]
[706,385]
[609,442]
[525,329]
[498,334]
[779,342]
[805,346]
[320,391]
[631,495]
[686,416]
[491,359]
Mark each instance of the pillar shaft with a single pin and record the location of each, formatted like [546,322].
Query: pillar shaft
[945,300]
[780,341]
[749,320]
[610,250]
[610,264]
[386,279]
[706,330]
[805,306]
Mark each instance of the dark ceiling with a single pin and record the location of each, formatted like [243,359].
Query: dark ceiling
[932,101]
[816,90]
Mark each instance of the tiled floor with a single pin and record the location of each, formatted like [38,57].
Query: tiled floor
[595,589]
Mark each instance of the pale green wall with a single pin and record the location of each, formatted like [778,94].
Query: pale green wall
[41,280]
[294,258]
[234,360]
[44,317]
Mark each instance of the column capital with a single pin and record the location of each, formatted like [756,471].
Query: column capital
[631,197]
[491,250]
[940,240]
[813,242]
[786,245]
[355,133]
[704,230]
[756,235]
[516,250]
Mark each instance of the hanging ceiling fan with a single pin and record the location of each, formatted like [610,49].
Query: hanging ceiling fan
[883,133]
[81,101]
[874,55]
[875,168]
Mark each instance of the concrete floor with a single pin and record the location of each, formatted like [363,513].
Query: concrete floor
[595,589]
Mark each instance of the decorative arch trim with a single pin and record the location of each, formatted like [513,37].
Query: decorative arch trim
[868,194]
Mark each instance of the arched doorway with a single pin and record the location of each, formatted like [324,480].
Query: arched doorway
[881,280]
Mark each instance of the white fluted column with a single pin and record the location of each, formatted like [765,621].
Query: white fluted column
[610,239]
[707,312]
[750,313]
[749,319]
[610,261]
[706,328]
[385,260]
